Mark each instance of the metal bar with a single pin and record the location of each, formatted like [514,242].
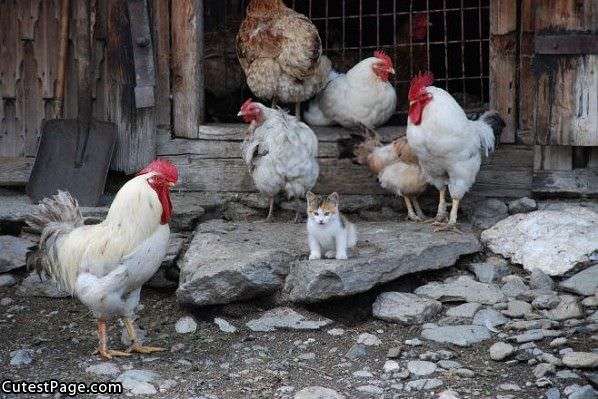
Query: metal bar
[569,43]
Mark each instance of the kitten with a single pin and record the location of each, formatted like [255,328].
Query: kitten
[327,228]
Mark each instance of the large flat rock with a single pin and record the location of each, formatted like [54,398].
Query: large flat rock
[12,252]
[552,240]
[385,252]
[228,262]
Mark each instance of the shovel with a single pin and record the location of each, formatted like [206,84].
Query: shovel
[74,154]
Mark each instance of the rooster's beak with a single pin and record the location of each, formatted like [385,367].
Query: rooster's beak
[171,184]
[412,102]
[241,113]
[392,70]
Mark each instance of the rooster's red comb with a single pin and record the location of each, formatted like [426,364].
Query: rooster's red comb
[246,104]
[383,56]
[419,82]
[163,167]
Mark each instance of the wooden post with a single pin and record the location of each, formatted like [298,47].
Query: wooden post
[527,83]
[161,33]
[187,67]
[503,64]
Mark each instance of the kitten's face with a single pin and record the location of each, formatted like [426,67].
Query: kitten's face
[321,210]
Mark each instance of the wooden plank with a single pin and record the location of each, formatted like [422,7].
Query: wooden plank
[560,15]
[46,46]
[161,34]
[15,171]
[9,43]
[12,137]
[27,16]
[552,157]
[503,64]
[187,67]
[136,144]
[527,81]
[593,158]
[30,103]
[574,182]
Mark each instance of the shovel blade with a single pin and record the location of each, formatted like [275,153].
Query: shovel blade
[56,167]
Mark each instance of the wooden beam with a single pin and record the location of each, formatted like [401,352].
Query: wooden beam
[15,171]
[527,81]
[187,67]
[553,157]
[576,182]
[503,64]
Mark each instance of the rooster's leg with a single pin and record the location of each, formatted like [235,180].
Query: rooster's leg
[418,209]
[410,213]
[442,213]
[135,347]
[452,223]
[298,217]
[102,348]
[298,111]
[271,209]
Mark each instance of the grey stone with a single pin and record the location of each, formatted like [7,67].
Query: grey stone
[581,360]
[138,382]
[285,319]
[544,369]
[368,339]
[462,335]
[546,301]
[486,213]
[317,392]
[585,392]
[555,343]
[584,283]
[6,301]
[7,280]
[522,205]
[591,301]
[33,285]
[225,326]
[391,366]
[509,387]
[407,248]
[12,252]
[553,393]
[517,309]
[104,368]
[423,384]
[501,350]
[555,240]
[466,310]
[185,325]
[405,308]
[371,389]
[463,289]
[21,357]
[356,351]
[490,272]
[449,364]
[568,308]
[489,318]
[421,368]
[514,286]
[540,280]
[336,331]
[464,373]
[394,352]
[413,342]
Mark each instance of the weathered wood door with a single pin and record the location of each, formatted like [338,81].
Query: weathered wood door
[566,70]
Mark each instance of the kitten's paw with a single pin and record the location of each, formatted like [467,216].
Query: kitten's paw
[315,256]
[341,256]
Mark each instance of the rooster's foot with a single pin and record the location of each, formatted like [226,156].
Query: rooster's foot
[450,227]
[109,353]
[414,218]
[144,349]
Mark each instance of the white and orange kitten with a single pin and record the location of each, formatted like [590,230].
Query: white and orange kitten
[327,229]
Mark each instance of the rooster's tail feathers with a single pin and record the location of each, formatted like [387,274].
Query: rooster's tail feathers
[53,218]
[491,127]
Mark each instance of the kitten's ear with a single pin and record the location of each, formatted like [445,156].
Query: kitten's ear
[334,198]
[310,196]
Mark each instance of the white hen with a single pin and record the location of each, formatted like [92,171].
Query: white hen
[105,265]
[447,144]
[280,152]
[362,96]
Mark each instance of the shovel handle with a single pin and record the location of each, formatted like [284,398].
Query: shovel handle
[62,57]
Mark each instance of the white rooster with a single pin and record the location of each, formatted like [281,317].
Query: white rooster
[105,265]
[280,152]
[362,96]
[447,144]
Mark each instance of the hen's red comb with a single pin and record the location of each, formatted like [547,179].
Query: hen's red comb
[419,82]
[163,167]
[384,57]
[246,104]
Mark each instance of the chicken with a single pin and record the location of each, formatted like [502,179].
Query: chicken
[105,265]
[280,152]
[280,51]
[447,144]
[362,96]
[397,169]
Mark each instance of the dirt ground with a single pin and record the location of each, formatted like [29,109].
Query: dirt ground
[212,364]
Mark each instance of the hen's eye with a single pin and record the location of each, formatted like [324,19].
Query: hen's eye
[326,213]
